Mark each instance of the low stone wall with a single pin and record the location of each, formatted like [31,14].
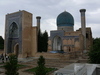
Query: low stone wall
[75,55]
[53,55]
[67,56]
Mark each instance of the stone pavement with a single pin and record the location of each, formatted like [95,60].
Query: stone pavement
[32,62]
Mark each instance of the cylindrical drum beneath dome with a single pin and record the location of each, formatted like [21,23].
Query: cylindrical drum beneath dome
[66,28]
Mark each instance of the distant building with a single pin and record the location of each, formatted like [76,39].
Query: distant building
[21,37]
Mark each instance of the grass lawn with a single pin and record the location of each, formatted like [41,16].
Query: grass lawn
[32,70]
[19,65]
[1,63]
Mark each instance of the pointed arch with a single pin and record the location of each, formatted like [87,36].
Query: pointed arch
[16,49]
[57,43]
[13,30]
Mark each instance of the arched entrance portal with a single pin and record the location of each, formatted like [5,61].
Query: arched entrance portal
[13,33]
[57,43]
[16,49]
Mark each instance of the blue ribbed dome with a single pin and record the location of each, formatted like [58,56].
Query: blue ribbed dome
[65,19]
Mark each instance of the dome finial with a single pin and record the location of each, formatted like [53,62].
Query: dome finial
[65,11]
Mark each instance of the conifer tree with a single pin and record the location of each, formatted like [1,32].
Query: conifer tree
[39,41]
[45,36]
[11,67]
[42,41]
[41,66]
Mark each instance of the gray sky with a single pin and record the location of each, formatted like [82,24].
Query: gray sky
[50,9]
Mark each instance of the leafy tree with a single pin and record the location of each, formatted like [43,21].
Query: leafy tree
[11,67]
[1,43]
[41,66]
[94,53]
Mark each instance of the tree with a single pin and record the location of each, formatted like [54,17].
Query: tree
[42,41]
[94,53]
[11,66]
[1,43]
[45,38]
[41,66]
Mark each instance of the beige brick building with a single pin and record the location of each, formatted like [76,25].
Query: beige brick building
[21,36]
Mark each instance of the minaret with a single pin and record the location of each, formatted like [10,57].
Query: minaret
[38,22]
[83,25]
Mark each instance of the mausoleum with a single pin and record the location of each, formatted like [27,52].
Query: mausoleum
[21,36]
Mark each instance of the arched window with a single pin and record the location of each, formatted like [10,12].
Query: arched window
[13,30]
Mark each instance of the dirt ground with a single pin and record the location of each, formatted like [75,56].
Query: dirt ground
[32,62]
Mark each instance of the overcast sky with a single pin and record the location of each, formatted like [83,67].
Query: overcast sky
[50,9]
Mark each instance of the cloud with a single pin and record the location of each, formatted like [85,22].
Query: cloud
[50,9]
[48,25]
[95,30]
[93,17]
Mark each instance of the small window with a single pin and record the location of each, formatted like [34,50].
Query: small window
[87,36]
[69,49]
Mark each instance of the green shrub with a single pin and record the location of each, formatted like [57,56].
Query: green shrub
[11,67]
[40,70]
